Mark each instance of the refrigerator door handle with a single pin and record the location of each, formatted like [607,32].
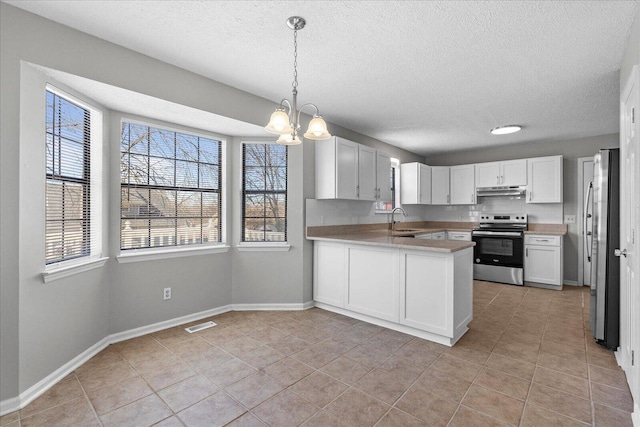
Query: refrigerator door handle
[588,215]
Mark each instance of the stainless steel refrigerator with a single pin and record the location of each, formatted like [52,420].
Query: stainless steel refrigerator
[603,204]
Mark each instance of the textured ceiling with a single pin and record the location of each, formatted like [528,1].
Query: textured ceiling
[429,77]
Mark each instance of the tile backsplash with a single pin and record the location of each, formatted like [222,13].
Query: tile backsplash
[342,212]
[544,213]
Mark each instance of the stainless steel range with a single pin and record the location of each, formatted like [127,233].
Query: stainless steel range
[499,251]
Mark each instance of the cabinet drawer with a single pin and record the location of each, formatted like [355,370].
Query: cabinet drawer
[459,235]
[438,236]
[541,240]
[426,236]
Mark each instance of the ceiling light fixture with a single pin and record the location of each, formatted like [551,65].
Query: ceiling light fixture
[287,123]
[505,130]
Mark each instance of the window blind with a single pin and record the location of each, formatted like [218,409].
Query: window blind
[70,232]
[264,192]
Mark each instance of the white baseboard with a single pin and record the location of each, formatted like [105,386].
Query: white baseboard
[36,390]
[571,282]
[273,307]
[10,405]
[635,416]
[16,403]
[149,329]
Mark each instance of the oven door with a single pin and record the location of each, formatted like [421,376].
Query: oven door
[500,248]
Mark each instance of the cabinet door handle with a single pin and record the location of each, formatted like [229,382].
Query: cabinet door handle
[542,240]
[498,179]
[527,252]
[502,179]
[530,193]
[472,198]
[357,191]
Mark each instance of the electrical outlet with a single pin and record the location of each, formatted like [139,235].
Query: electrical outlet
[569,219]
[167,293]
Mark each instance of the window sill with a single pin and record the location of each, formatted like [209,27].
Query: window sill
[263,247]
[156,254]
[70,270]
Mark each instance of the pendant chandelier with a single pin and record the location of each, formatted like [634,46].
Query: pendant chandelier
[287,123]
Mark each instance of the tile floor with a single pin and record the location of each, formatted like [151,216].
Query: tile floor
[526,361]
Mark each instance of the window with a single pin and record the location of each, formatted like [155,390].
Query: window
[72,189]
[394,177]
[170,188]
[264,193]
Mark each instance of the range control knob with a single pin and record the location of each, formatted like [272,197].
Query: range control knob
[477,260]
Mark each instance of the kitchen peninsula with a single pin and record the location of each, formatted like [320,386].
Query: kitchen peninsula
[418,286]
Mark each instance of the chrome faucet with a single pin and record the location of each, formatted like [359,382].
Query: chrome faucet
[392,221]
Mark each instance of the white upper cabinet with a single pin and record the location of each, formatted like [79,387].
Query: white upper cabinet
[497,174]
[383,176]
[351,171]
[415,184]
[367,188]
[513,172]
[544,180]
[463,188]
[440,185]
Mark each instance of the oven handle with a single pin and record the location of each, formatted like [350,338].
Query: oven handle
[497,233]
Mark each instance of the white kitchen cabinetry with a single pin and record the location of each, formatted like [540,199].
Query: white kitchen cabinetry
[463,185]
[440,235]
[424,236]
[429,299]
[543,260]
[440,185]
[330,281]
[544,180]
[383,177]
[367,188]
[372,281]
[420,292]
[347,170]
[415,184]
[498,174]
[464,236]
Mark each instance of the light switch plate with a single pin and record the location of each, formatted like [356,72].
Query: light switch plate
[569,219]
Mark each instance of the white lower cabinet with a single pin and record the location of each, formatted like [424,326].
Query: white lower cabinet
[426,302]
[440,235]
[463,236]
[543,260]
[372,281]
[424,293]
[329,281]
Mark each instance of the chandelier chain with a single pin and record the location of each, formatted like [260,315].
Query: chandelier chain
[295,59]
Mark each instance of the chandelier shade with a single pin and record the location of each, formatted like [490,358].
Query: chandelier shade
[279,123]
[287,125]
[317,129]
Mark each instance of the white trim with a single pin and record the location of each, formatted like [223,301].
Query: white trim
[73,269]
[16,403]
[50,380]
[440,339]
[10,405]
[155,327]
[273,307]
[155,254]
[263,247]
[635,416]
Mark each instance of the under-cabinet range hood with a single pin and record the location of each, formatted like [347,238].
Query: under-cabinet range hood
[516,190]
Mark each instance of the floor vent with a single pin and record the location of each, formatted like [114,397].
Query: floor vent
[201,326]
